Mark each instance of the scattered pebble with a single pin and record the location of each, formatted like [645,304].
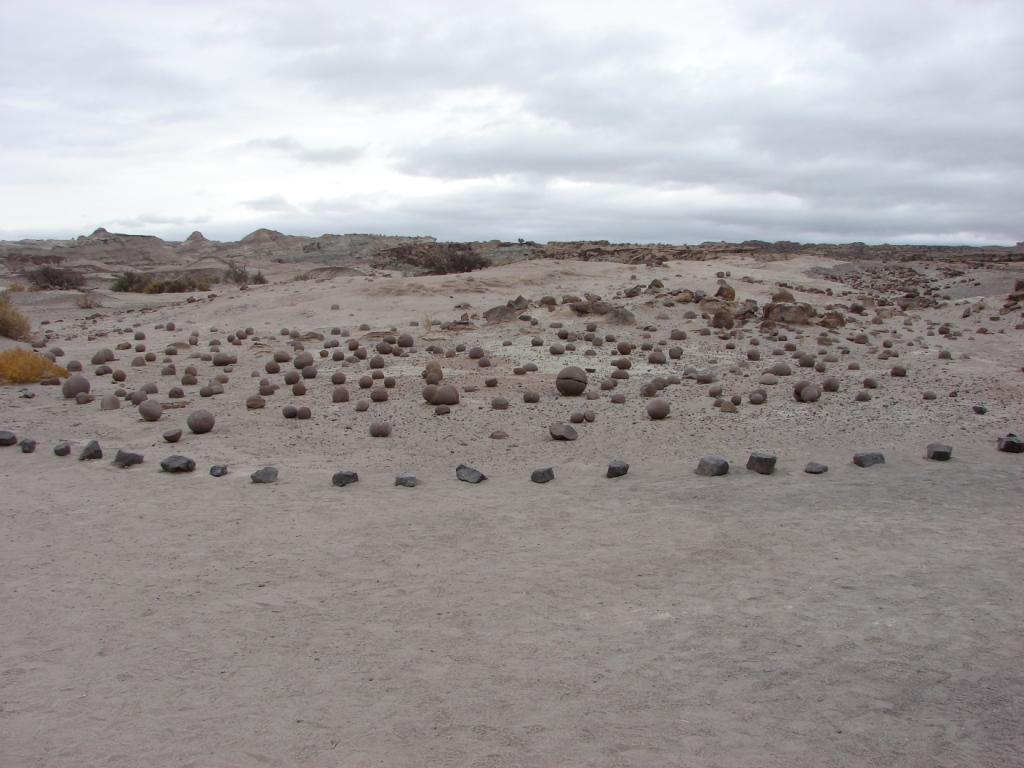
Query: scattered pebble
[712,466]
[762,463]
[868,459]
[344,477]
[91,452]
[545,475]
[469,474]
[177,464]
[264,476]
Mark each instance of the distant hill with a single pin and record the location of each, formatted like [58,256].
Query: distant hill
[105,254]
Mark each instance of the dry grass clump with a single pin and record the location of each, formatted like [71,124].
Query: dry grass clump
[22,366]
[48,277]
[16,288]
[136,282]
[13,324]
[88,301]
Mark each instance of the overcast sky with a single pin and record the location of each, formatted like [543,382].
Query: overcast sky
[674,121]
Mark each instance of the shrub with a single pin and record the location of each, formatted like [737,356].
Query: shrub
[236,273]
[130,282]
[22,366]
[45,278]
[17,288]
[13,324]
[88,301]
[259,279]
[454,258]
[135,282]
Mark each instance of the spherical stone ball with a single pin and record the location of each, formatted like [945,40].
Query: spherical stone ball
[380,429]
[446,394]
[658,409]
[499,404]
[74,386]
[810,393]
[289,411]
[200,422]
[151,410]
[292,377]
[571,381]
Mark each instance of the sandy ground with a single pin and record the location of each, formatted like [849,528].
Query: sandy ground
[865,617]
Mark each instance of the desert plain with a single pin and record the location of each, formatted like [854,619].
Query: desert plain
[864,616]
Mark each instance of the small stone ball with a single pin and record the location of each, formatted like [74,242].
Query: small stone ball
[200,422]
[151,410]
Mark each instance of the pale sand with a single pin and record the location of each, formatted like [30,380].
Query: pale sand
[866,617]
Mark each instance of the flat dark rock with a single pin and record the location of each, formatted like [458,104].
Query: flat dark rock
[62,449]
[1010,444]
[344,477]
[868,458]
[762,463]
[406,480]
[177,463]
[27,445]
[218,470]
[712,466]
[562,432]
[8,438]
[125,459]
[264,476]
[939,452]
[91,451]
[814,468]
[545,475]
[469,475]
[617,468]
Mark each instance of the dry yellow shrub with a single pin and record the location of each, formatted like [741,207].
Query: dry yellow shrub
[22,366]
[13,324]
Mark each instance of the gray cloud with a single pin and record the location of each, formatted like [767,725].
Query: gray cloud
[664,122]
